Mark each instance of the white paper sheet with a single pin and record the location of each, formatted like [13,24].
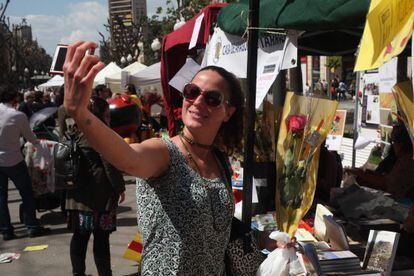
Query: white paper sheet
[196,32]
[185,74]
[387,76]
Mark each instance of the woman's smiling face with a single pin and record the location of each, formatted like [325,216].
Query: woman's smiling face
[197,114]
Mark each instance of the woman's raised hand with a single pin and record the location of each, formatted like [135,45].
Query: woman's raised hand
[80,70]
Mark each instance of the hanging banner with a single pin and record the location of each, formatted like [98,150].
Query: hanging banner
[404,97]
[227,51]
[412,59]
[275,52]
[388,28]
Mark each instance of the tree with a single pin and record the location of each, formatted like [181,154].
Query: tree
[124,41]
[333,63]
[159,25]
[18,53]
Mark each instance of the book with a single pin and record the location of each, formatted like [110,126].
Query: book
[319,223]
[380,251]
[336,255]
[304,235]
[336,235]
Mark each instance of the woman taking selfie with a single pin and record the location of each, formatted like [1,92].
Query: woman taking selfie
[185,206]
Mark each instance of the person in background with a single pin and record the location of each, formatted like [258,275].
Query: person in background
[131,91]
[92,205]
[46,100]
[103,92]
[329,173]
[396,179]
[26,105]
[342,90]
[185,204]
[59,94]
[325,87]
[13,125]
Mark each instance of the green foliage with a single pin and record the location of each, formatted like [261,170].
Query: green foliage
[333,62]
[163,21]
[19,53]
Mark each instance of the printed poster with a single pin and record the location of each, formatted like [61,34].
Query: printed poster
[334,138]
[373,114]
[388,108]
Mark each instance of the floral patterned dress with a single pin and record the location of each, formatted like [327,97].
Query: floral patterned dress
[184,219]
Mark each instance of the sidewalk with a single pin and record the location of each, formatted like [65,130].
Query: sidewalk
[55,260]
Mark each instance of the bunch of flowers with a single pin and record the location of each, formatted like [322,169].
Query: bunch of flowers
[302,142]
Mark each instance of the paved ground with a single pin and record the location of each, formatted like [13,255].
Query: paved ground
[55,259]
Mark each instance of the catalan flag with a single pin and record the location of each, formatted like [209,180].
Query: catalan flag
[134,250]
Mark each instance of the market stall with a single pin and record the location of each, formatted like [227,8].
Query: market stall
[56,81]
[148,79]
[108,70]
[114,81]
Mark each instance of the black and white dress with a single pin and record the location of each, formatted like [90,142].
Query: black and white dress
[184,219]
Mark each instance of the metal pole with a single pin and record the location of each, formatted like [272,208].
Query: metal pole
[250,111]
[357,83]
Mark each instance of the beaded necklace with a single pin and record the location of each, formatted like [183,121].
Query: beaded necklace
[195,143]
[189,155]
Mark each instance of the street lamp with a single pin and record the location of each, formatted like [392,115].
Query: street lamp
[179,23]
[26,74]
[14,68]
[129,58]
[35,72]
[140,45]
[156,46]
[123,60]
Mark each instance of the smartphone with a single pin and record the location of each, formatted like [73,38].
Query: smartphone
[59,59]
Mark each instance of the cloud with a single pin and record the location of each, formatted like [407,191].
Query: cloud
[82,21]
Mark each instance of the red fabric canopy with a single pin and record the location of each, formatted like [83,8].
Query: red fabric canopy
[174,54]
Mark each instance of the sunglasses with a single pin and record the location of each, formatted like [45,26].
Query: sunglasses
[212,98]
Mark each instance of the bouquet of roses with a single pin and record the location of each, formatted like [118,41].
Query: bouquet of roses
[301,144]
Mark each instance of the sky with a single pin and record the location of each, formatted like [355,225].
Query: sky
[65,21]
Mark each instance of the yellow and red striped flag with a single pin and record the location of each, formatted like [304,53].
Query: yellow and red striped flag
[134,249]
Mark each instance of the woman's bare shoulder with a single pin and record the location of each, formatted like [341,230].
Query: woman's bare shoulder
[153,157]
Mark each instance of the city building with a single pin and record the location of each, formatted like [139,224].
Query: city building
[22,31]
[126,12]
[128,26]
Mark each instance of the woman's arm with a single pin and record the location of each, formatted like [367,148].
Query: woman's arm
[369,179]
[143,160]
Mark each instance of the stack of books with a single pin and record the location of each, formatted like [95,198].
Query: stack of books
[335,261]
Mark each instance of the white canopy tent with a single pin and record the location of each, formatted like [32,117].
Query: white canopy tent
[148,79]
[114,81]
[56,81]
[109,70]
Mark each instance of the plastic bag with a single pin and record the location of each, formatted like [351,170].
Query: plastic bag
[281,261]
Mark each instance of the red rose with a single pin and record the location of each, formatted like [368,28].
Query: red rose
[296,123]
[359,94]
[337,118]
